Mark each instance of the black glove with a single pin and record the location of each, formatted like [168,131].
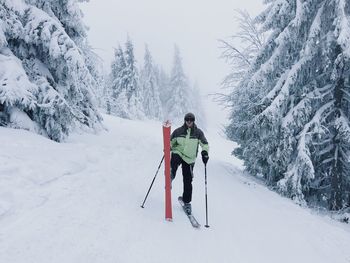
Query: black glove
[205,157]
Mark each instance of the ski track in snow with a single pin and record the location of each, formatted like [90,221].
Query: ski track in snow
[79,201]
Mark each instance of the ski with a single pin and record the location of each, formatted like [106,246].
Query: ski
[192,219]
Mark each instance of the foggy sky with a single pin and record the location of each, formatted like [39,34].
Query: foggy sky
[194,25]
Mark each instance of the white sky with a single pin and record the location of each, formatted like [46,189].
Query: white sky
[195,25]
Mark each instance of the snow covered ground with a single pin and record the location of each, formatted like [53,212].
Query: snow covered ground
[79,201]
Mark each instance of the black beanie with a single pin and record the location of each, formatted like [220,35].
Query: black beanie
[190,115]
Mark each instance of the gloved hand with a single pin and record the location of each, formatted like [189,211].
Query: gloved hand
[205,157]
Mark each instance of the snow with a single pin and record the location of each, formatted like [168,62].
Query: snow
[14,82]
[20,120]
[79,201]
[343,27]
[17,5]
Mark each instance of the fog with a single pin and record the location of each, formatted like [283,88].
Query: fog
[194,25]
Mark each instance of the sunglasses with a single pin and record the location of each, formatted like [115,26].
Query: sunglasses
[189,119]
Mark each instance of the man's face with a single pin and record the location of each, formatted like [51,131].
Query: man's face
[189,122]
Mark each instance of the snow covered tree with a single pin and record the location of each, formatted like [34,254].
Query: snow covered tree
[68,13]
[133,87]
[44,74]
[290,112]
[163,81]
[196,105]
[150,97]
[95,65]
[124,85]
[178,99]
[241,48]
[116,85]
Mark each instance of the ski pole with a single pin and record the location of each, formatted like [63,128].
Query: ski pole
[206,197]
[154,178]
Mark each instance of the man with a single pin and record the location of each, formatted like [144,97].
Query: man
[184,150]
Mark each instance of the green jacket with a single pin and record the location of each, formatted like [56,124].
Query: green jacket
[185,141]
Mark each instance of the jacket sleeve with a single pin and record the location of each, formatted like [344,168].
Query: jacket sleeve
[203,142]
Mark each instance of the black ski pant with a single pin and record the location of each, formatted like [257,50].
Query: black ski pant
[187,173]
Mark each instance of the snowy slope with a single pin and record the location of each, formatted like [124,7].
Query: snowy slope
[80,202]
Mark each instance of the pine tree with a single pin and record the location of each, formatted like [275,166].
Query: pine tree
[196,105]
[94,64]
[163,81]
[290,114]
[125,91]
[178,101]
[117,103]
[132,82]
[38,40]
[151,98]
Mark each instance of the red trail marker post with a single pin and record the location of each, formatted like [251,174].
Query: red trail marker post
[166,140]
